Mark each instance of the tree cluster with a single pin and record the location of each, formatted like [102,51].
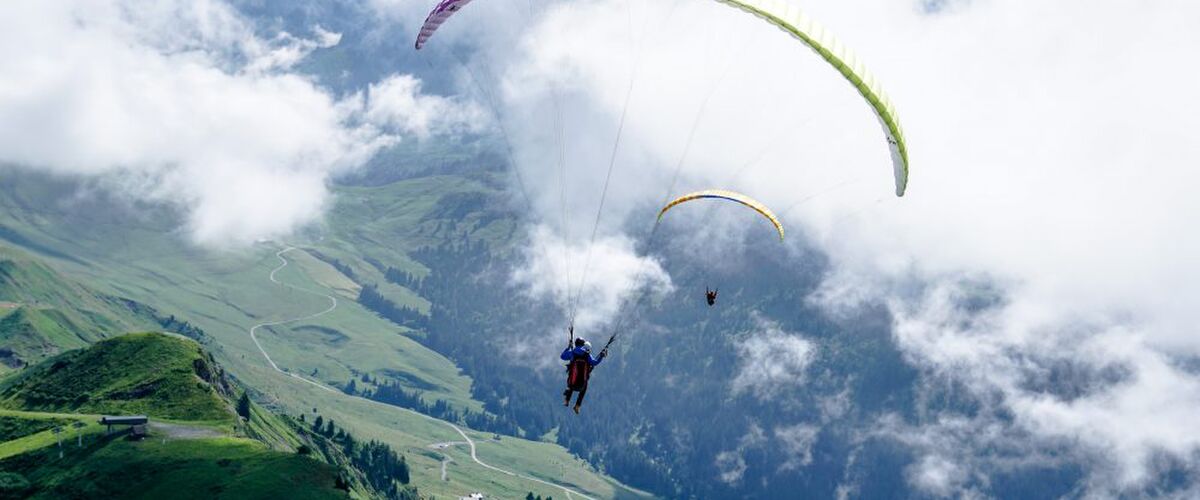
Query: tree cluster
[337,264]
[383,469]
[402,278]
[405,316]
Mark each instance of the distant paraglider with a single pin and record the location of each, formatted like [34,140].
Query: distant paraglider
[721,194]
[710,296]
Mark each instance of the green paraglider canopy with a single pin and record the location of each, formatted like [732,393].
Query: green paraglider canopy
[786,16]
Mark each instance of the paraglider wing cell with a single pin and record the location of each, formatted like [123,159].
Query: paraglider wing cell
[437,16]
[789,18]
[722,194]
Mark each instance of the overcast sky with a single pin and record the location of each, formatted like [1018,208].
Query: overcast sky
[1052,157]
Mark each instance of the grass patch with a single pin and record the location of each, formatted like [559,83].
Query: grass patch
[45,437]
[112,467]
[16,427]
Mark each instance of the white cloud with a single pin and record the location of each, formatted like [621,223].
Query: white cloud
[1123,401]
[555,270]
[937,475]
[797,441]
[954,454]
[771,360]
[181,103]
[731,464]
[285,50]
[326,38]
[397,103]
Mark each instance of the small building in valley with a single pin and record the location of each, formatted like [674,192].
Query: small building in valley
[136,422]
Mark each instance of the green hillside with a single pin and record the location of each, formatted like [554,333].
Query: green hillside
[29,334]
[14,427]
[42,312]
[206,438]
[167,377]
[163,467]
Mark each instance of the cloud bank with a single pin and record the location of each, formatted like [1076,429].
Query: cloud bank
[771,360]
[181,103]
[616,272]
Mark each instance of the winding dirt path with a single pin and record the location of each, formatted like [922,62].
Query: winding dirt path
[180,431]
[445,461]
[333,303]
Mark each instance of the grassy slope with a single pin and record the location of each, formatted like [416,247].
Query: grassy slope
[132,374]
[386,221]
[45,312]
[45,437]
[227,293]
[215,467]
[29,334]
[195,454]
[326,275]
[13,427]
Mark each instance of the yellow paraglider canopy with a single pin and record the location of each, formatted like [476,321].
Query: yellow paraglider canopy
[731,196]
[786,16]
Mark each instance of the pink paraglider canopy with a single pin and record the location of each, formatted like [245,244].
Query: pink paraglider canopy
[437,16]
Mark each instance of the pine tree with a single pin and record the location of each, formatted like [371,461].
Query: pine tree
[243,406]
[402,472]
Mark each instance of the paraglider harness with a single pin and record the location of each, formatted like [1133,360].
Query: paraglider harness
[579,370]
[578,373]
